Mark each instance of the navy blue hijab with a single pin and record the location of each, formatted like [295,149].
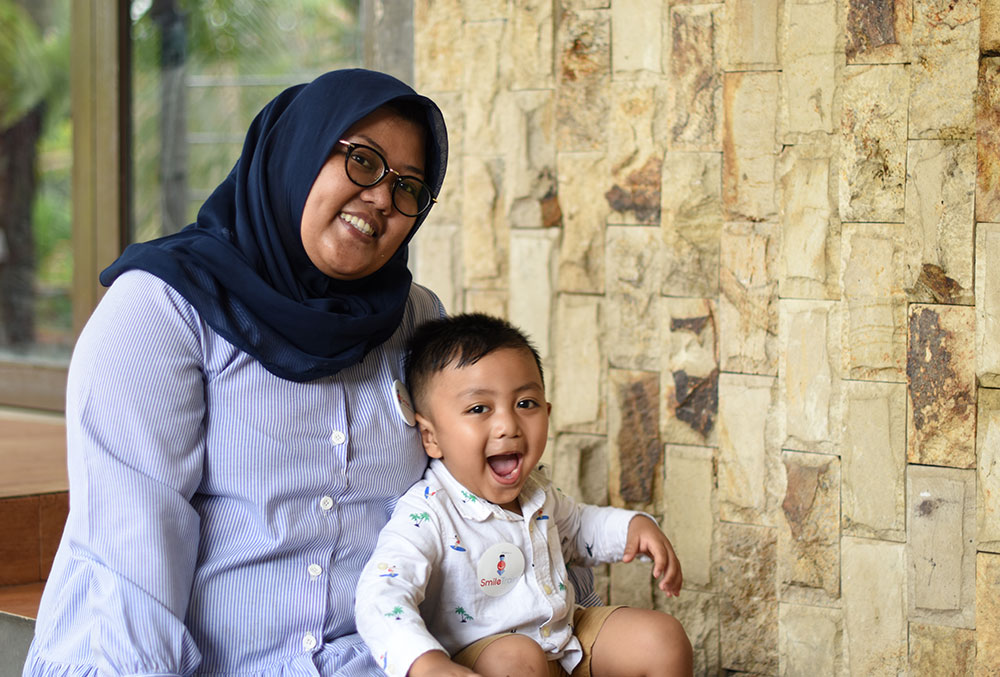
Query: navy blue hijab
[242,265]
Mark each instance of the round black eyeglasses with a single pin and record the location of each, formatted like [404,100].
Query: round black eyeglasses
[366,167]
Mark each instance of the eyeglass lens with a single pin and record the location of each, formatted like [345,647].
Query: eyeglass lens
[366,167]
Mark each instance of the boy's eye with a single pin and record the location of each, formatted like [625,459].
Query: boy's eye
[477,409]
[527,404]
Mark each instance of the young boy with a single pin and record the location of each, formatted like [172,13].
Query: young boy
[469,576]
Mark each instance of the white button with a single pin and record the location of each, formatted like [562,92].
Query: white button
[326,503]
[308,642]
[338,437]
[315,570]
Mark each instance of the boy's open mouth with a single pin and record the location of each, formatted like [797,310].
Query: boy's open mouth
[506,467]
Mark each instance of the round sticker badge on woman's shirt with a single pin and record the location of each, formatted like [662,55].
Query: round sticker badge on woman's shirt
[499,569]
[403,403]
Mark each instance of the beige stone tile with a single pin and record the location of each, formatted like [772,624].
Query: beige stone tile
[988,470]
[632,315]
[748,310]
[987,613]
[749,466]
[689,371]
[809,374]
[581,255]
[988,304]
[879,31]
[580,467]
[873,144]
[940,194]
[873,456]
[941,550]
[531,50]
[989,29]
[632,584]
[485,233]
[437,43]
[583,65]
[485,301]
[689,509]
[874,597]
[577,390]
[698,612]
[636,451]
[532,255]
[691,223]
[692,65]
[809,535]
[484,86]
[531,194]
[636,38]
[436,256]
[988,140]
[808,68]
[484,10]
[748,606]
[941,410]
[751,35]
[810,641]
[873,345]
[635,155]
[943,70]
[937,650]
[749,144]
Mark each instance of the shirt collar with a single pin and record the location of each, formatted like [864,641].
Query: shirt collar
[479,509]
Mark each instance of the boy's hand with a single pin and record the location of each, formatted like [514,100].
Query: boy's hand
[434,663]
[644,537]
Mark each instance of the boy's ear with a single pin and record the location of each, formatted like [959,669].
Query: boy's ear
[428,436]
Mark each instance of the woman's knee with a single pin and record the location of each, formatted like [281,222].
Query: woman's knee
[512,655]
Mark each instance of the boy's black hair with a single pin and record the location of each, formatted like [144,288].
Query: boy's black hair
[460,340]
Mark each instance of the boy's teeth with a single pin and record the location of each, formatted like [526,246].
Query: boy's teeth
[360,224]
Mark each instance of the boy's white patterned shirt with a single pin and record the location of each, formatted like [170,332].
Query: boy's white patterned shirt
[440,576]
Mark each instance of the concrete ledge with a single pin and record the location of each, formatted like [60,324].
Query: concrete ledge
[15,638]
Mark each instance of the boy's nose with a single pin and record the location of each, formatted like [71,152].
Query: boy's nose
[505,423]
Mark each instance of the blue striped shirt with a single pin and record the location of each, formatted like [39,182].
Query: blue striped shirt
[219,515]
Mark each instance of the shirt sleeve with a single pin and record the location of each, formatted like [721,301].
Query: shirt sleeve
[135,438]
[392,586]
[590,534]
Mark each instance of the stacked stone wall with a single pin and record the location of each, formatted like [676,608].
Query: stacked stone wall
[757,243]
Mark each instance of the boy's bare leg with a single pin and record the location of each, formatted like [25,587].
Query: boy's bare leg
[641,643]
[512,655]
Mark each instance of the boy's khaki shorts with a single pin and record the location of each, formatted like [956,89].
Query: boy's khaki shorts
[587,622]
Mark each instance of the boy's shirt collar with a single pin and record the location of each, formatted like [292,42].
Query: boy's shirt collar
[477,508]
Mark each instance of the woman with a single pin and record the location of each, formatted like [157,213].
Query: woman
[235,431]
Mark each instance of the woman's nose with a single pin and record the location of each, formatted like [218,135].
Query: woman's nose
[380,195]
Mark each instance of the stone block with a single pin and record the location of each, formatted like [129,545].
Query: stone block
[635,40]
[988,304]
[698,612]
[581,256]
[448,209]
[484,87]
[485,233]
[580,467]
[691,223]
[810,230]
[532,51]
[635,156]
[940,194]
[937,650]
[810,641]
[941,373]
[809,372]
[634,438]
[689,509]
[577,389]
[437,45]
[989,28]
[879,31]
[695,95]
[752,35]
[808,68]
[988,140]
[987,613]
[632,316]
[748,463]
[873,144]
[690,372]
[988,471]
[873,457]
[749,141]
[484,10]
[809,536]
[748,309]
[941,545]
[873,345]
[532,255]
[583,54]
[748,606]
[531,197]
[436,256]
[943,70]
[632,584]
[487,301]
[873,583]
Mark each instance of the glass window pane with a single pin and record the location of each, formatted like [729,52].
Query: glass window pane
[36,265]
[201,70]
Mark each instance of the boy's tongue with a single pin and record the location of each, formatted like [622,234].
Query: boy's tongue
[504,464]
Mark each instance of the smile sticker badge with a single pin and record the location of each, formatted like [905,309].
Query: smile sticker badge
[499,569]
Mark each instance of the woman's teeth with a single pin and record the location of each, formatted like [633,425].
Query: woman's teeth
[359,224]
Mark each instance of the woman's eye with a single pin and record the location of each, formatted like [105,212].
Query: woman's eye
[361,161]
[409,187]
